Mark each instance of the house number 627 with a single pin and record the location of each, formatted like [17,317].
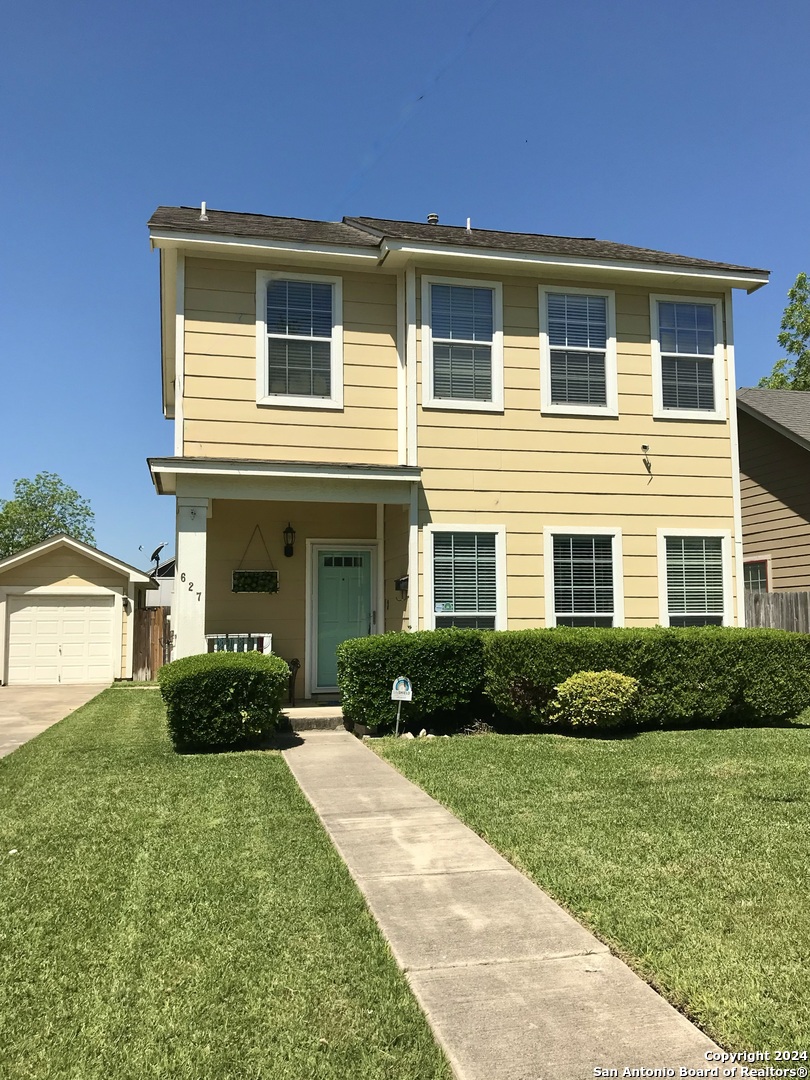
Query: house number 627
[190,587]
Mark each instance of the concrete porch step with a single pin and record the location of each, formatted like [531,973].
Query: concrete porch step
[312,717]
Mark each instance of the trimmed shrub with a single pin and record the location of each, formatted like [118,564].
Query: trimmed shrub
[595,699]
[222,699]
[685,674]
[446,669]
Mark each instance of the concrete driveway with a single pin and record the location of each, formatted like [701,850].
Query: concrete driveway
[27,710]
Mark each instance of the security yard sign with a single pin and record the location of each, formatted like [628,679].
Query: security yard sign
[401,690]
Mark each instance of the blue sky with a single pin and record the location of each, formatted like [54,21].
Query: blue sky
[681,126]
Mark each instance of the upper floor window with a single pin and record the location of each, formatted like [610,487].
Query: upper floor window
[687,358]
[299,340]
[578,352]
[583,577]
[462,344]
[696,588]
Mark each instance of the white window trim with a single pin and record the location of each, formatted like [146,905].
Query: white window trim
[547,406]
[500,568]
[768,560]
[718,367]
[728,595]
[550,531]
[431,402]
[298,401]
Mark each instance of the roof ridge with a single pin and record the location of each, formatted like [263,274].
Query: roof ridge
[463,228]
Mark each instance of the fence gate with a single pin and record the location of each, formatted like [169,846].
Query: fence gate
[151,643]
[778,610]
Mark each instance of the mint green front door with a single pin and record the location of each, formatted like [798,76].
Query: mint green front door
[343,606]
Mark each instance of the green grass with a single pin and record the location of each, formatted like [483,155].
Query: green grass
[688,852]
[183,917]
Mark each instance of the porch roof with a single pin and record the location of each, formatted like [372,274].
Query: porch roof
[300,481]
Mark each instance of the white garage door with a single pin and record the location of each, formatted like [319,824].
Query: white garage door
[60,639]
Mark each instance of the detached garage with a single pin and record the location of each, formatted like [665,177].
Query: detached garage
[66,614]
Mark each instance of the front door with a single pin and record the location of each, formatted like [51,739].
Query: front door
[342,606]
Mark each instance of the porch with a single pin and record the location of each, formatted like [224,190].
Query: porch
[333,576]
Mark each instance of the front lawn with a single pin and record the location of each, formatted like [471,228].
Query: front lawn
[688,852]
[177,918]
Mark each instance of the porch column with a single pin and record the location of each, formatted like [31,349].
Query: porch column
[188,607]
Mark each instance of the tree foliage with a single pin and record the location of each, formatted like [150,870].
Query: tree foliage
[41,507]
[793,371]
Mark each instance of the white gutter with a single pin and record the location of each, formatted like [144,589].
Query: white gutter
[171,238]
[722,279]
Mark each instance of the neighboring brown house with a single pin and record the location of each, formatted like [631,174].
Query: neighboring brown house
[774,432]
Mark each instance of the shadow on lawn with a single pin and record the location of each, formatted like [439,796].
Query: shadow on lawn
[503,726]
[279,740]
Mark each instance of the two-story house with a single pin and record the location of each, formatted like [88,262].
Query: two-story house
[407,426]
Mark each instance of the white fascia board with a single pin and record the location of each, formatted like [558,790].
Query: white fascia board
[171,469]
[83,549]
[168,304]
[285,468]
[194,242]
[713,278]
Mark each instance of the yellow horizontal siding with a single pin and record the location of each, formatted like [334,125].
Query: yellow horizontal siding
[62,568]
[221,415]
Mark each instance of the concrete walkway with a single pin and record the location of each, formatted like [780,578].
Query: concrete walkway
[25,711]
[513,987]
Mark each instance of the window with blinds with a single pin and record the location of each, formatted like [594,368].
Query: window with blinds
[695,580]
[462,327]
[299,338]
[583,580]
[687,341]
[755,575]
[464,580]
[577,334]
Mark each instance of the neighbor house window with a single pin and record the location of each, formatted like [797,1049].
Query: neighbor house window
[578,352]
[465,581]
[462,344]
[695,580]
[299,341]
[583,571]
[687,358]
[755,575]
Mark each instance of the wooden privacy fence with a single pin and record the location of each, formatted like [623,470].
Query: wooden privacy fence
[151,644]
[778,610]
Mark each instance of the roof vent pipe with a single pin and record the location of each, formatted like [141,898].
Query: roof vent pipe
[433,219]
[203,215]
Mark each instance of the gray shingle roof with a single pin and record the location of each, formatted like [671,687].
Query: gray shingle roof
[786,410]
[578,246]
[369,232]
[259,226]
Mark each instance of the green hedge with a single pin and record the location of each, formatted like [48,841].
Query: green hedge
[685,675]
[446,669]
[222,699]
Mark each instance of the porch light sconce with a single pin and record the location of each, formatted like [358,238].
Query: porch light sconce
[401,585]
[289,541]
